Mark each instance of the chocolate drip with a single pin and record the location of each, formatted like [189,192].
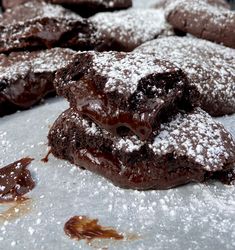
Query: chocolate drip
[15,180]
[84,228]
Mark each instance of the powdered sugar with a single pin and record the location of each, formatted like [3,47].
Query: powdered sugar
[196,136]
[35,25]
[129,145]
[124,70]
[209,66]
[131,27]
[218,12]
[204,20]
[18,65]
[33,10]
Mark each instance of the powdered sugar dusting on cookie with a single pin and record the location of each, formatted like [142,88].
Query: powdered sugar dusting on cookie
[218,12]
[204,20]
[124,70]
[19,64]
[38,25]
[196,136]
[129,145]
[209,66]
[131,27]
[34,10]
[52,60]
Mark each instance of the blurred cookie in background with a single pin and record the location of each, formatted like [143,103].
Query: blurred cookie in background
[27,77]
[37,25]
[127,29]
[84,8]
[209,66]
[203,20]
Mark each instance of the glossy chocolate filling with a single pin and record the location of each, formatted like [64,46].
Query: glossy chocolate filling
[153,103]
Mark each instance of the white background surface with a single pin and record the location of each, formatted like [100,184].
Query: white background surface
[195,216]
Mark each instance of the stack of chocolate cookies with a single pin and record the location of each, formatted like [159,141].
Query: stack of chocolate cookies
[137,81]
[30,31]
[133,118]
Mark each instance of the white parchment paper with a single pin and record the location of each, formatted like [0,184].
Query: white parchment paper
[195,216]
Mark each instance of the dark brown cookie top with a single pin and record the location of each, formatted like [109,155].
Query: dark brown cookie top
[204,20]
[209,66]
[18,65]
[108,4]
[36,25]
[127,29]
[35,11]
[105,3]
[121,72]
[27,77]
[83,7]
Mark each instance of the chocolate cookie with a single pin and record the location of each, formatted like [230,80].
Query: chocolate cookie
[90,7]
[83,7]
[127,29]
[125,92]
[203,20]
[26,77]
[191,147]
[209,66]
[36,25]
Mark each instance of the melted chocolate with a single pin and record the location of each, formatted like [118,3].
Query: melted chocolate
[117,106]
[83,228]
[15,180]
[15,209]
[46,158]
[161,163]
[140,118]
